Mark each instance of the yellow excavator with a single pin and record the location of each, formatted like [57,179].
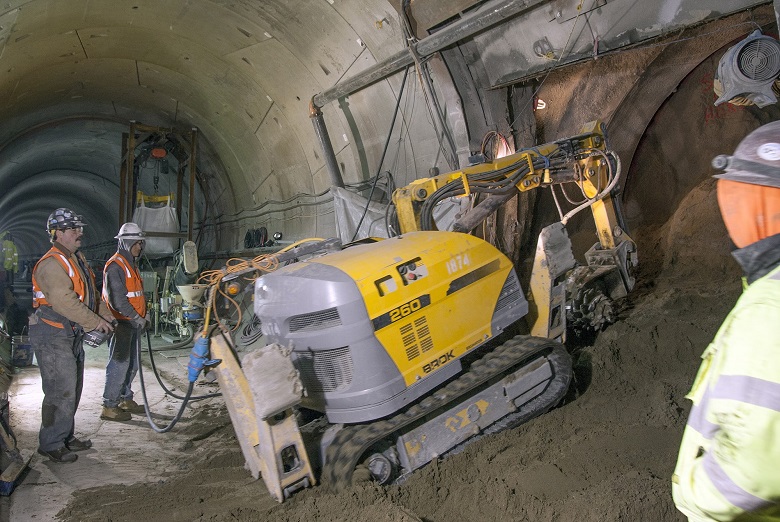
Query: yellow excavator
[381,355]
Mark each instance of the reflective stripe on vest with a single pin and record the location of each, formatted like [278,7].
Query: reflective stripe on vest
[133,283]
[728,488]
[78,285]
[742,388]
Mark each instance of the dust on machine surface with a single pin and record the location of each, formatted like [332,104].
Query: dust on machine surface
[385,354]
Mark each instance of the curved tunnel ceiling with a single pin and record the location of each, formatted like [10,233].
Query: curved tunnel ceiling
[75,73]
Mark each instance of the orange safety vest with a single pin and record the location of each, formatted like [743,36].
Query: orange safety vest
[134,284]
[79,285]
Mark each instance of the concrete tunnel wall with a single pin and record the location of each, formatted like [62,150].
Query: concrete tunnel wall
[75,73]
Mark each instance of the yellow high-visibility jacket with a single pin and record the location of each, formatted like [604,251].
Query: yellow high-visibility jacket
[728,467]
[10,255]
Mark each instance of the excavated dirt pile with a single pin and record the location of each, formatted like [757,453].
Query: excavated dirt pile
[606,454]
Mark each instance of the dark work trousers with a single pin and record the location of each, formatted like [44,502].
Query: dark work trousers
[122,364]
[61,361]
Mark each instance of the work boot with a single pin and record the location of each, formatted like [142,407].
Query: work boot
[75,444]
[63,455]
[131,406]
[115,414]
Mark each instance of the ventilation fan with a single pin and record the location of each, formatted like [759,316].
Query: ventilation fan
[749,69]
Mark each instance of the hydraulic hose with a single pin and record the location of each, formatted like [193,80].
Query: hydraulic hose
[187,397]
[604,193]
[149,419]
[162,385]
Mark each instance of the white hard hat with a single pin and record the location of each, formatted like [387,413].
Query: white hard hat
[131,231]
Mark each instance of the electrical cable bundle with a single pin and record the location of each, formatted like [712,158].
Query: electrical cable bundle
[262,263]
[490,182]
[257,237]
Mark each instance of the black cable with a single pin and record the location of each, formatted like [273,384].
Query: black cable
[365,209]
[148,410]
[275,202]
[384,152]
[391,215]
[423,74]
[276,211]
[185,399]
[484,182]
[497,182]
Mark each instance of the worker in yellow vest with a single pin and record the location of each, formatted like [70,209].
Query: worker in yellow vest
[10,256]
[66,305]
[728,467]
[123,293]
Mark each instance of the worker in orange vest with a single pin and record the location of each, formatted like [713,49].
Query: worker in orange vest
[66,306]
[123,292]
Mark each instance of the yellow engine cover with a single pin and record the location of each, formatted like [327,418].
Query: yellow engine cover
[431,296]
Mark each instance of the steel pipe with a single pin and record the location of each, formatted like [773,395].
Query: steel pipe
[321,130]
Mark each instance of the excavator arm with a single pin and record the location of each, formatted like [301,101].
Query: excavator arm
[582,160]
[583,164]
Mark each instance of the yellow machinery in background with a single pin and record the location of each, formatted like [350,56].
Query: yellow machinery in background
[382,355]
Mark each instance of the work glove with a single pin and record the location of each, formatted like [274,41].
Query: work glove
[105,326]
[141,323]
[199,359]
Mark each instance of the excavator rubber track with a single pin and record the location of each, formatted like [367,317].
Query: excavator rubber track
[352,441]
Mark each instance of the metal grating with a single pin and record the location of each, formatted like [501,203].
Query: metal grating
[509,294]
[416,337]
[327,370]
[319,320]
[759,59]
[424,331]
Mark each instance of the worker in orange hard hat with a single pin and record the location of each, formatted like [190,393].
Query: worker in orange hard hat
[727,468]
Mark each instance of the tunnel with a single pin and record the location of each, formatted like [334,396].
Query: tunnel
[243,77]
[255,121]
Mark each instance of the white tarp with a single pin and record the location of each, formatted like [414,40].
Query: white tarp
[349,207]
